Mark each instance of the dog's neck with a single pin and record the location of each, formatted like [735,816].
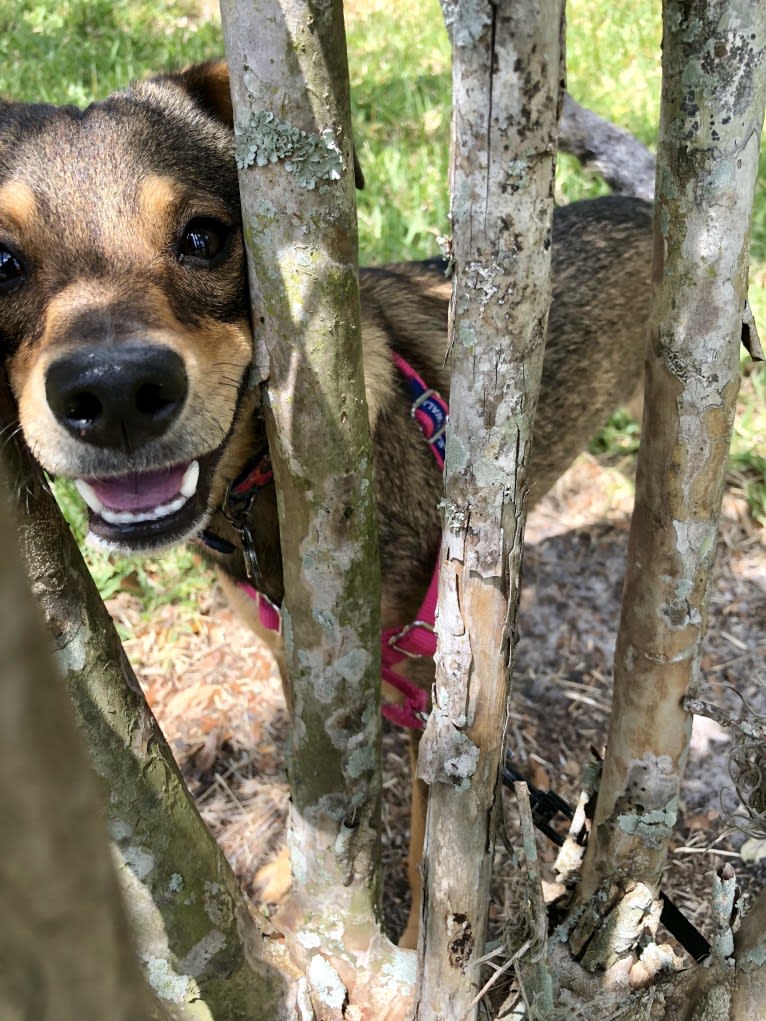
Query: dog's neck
[242,537]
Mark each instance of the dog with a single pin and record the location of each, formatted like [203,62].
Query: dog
[126,335]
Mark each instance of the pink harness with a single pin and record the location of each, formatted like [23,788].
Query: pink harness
[416,640]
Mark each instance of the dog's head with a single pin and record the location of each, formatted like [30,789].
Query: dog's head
[124,323]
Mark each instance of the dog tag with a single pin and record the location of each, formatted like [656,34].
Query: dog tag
[252,570]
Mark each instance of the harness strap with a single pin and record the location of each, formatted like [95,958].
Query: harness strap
[268,612]
[255,476]
[416,640]
[429,409]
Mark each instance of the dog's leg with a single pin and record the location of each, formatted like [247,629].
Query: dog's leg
[247,611]
[273,880]
[409,937]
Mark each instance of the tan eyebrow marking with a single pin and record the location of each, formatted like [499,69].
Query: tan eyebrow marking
[18,204]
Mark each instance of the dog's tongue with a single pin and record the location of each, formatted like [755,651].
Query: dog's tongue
[139,490]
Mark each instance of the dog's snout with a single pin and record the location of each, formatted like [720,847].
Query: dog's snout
[119,396]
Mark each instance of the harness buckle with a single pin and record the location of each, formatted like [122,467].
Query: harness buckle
[395,639]
[237,518]
[422,398]
[438,435]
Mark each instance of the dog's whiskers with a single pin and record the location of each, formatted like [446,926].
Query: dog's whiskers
[9,433]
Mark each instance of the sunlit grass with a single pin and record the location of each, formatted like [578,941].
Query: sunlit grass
[73,51]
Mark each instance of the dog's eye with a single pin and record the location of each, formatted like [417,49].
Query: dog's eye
[11,270]
[203,240]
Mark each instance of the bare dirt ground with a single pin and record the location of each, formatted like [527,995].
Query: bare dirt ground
[217,696]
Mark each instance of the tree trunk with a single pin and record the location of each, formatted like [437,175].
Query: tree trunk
[714,81]
[292,124]
[714,86]
[195,934]
[507,76]
[65,947]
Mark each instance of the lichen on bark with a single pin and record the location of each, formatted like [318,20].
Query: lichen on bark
[263,138]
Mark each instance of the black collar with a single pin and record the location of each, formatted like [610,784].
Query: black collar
[237,503]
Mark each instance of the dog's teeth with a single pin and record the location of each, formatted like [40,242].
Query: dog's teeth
[190,480]
[113,516]
[132,517]
[88,494]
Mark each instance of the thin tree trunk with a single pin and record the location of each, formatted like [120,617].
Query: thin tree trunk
[714,85]
[292,124]
[507,76]
[195,934]
[65,947]
[714,82]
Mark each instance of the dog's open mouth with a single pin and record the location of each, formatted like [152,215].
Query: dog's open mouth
[143,510]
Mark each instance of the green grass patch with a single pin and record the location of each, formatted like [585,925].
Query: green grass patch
[177,576]
[747,462]
[74,51]
[618,438]
[401,85]
[748,470]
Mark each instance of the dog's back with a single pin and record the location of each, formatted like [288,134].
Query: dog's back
[601,267]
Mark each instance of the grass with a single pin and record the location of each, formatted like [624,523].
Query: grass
[747,462]
[176,576]
[73,51]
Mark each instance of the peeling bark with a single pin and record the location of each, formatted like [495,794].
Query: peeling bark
[507,71]
[195,933]
[292,124]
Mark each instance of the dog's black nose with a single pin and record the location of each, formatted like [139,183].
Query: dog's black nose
[119,395]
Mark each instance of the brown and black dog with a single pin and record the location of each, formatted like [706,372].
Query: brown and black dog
[125,332]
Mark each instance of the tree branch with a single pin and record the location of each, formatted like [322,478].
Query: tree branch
[290,92]
[626,165]
[65,947]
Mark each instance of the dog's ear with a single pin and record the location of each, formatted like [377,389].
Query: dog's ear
[208,85]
